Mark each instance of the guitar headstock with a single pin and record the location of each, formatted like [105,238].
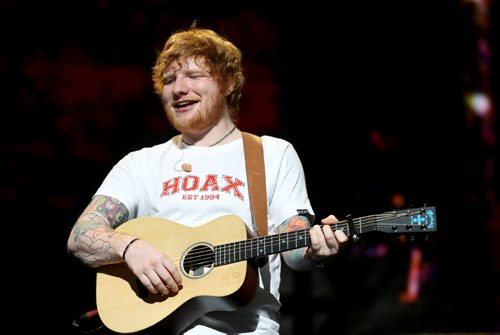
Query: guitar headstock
[407,221]
[402,222]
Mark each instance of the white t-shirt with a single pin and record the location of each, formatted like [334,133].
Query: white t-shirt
[151,182]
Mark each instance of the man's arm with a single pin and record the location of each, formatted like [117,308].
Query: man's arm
[324,242]
[93,239]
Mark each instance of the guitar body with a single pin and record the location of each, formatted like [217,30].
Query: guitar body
[125,306]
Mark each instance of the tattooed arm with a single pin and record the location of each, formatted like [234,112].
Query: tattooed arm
[324,242]
[93,239]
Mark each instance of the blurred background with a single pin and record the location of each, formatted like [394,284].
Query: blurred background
[389,104]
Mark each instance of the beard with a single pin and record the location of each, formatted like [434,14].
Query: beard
[205,114]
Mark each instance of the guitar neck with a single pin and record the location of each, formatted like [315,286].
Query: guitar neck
[393,222]
[260,246]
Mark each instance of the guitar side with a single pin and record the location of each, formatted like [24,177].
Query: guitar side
[125,306]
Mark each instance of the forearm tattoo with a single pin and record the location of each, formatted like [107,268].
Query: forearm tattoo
[292,224]
[94,230]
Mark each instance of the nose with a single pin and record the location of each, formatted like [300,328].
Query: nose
[180,86]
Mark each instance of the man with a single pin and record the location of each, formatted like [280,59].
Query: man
[197,177]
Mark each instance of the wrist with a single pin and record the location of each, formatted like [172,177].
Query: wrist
[128,246]
[319,264]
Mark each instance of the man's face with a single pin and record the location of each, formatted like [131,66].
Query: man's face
[191,97]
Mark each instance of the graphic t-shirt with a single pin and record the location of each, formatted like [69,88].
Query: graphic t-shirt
[152,182]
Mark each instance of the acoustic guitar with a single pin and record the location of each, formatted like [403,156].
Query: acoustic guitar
[217,261]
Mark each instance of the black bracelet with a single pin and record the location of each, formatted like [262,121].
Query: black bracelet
[128,245]
[319,264]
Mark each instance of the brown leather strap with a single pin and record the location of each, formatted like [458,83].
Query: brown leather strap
[254,160]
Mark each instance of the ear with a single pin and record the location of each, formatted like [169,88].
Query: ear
[229,88]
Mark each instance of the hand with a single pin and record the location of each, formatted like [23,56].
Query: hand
[324,241]
[153,268]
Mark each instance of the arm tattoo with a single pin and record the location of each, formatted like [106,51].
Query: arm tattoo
[294,223]
[291,224]
[114,212]
[94,230]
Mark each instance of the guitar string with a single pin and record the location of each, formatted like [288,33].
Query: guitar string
[292,236]
[250,247]
[207,257]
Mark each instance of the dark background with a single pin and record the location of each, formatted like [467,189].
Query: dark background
[370,93]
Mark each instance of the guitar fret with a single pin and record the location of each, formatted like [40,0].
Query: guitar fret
[271,244]
[217,255]
[220,254]
[302,238]
[234,252]
[242,251]
[229,254]
[224,252]
[223,261]
[262,247]
[224,255]
[227,247]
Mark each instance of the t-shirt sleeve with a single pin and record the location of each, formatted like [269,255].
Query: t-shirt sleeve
[288,193]
[121,184]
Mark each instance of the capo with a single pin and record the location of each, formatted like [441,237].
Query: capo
[352,230]
[305,212]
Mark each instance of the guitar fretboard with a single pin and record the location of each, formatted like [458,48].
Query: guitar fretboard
[395,222]
[261,246]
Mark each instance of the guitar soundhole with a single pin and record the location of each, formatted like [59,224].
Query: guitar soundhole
[198,261]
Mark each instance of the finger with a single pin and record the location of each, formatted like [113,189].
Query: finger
[330,219]
[328,232]
[167,282]
[324,241]
[341,236]
[147,283]
[316,236]
[173,270]
[160,285]
[332,244]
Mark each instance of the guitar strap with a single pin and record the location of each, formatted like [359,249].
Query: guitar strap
[254,160]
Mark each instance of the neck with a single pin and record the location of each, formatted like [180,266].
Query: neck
[216,142]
